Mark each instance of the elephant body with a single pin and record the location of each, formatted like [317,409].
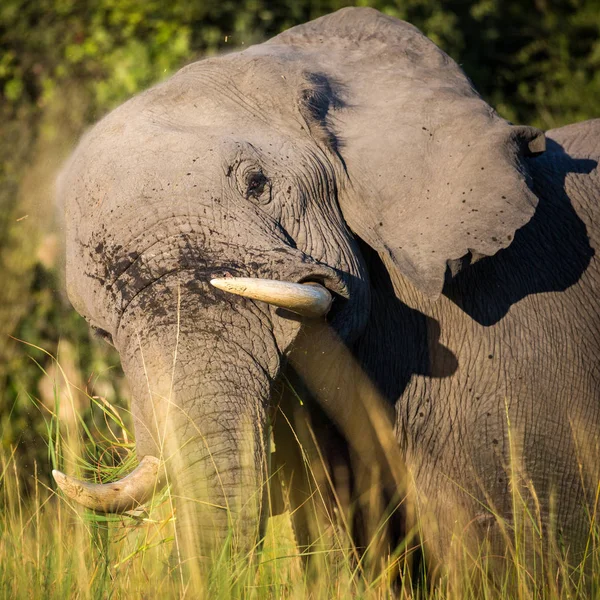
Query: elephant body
[460,250]
[494,385]
[506,388]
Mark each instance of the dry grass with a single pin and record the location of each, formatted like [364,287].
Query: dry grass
[52,549]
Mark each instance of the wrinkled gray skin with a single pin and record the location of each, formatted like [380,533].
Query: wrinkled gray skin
[350,151]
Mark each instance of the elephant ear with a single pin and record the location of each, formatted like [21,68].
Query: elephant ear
[435,177]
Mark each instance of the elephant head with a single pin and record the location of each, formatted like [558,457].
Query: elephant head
[268,164]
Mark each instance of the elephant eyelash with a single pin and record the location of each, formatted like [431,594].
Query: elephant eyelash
[102,334]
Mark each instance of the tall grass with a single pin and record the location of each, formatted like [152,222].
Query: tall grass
[50,548]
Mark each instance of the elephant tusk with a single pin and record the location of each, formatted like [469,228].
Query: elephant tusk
[306,299]
[120,496]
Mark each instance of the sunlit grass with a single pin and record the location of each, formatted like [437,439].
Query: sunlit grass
[50,548]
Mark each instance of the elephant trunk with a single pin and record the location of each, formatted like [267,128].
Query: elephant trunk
[201,381]
[214,446]
[219,484]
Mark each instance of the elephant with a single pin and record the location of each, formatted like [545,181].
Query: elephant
[336,215]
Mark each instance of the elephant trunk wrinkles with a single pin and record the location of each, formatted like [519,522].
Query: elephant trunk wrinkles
[220,493]
[200,396]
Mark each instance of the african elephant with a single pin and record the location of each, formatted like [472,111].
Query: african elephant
[370,227]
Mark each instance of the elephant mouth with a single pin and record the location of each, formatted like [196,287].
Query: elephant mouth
[343,314]
[322,293]
[338,287]
[350,305]
[331,279]
[335,284]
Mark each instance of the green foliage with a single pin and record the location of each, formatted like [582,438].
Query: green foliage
[112,48]
[31,382]
[536,60]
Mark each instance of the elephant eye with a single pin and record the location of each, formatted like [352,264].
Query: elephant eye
[256,185]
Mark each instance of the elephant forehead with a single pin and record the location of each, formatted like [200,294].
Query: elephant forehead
[114,170]
[197,120]
[149,160]
[237,90]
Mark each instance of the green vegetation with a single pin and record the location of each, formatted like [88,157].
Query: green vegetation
[50,548]
[65,63]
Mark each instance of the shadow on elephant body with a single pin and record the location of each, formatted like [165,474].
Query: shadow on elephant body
[347,420]
[549,254]
[338,488]
[399,341]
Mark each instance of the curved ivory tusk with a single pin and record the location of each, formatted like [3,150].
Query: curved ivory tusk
[120,496]
[306,299]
